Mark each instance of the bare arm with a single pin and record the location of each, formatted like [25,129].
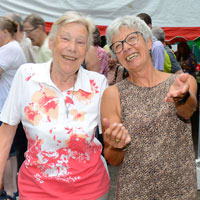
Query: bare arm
[7,133]
[183,84]
[115,135]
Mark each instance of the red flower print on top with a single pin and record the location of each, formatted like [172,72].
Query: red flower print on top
[85,96]
[68,100]
[29,77]
[46,101]
[31,115]
[44,104]
[94,87]
[77,115]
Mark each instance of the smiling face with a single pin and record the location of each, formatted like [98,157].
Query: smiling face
[69,47]
[132,57]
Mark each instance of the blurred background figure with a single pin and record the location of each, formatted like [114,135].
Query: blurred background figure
[157,51]
[116,72]
[102,53]
[91,61]
[34,27]
[30,54]
[11,57]
[97,57]
[170,65]
[186,58]
[27,47]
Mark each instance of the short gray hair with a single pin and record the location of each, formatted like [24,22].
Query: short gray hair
[16,18]
[35,20]
[128,21]
[74,17]
[159,33]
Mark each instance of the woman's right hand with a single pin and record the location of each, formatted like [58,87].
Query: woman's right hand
[116,135]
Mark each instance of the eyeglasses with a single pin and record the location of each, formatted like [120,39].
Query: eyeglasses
[131,39]
[29,31]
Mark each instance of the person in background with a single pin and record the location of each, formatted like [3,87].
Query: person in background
[186,58]
[102,53]
[34,27]
[97,57]
[58,103]
[11,57]
[27,47]
[171,65]
[116,72]
[30,54]
[146,120]
[91,61]
[157,51]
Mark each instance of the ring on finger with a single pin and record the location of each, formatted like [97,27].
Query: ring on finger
[117,140]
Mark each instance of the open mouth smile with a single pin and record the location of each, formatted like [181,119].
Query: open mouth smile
[69,58]
[129,58]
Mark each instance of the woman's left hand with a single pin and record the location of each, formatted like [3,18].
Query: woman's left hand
[179,89]
[116,135]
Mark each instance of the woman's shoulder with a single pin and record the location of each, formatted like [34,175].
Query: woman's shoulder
[111,92]
[10,47]
[31,68]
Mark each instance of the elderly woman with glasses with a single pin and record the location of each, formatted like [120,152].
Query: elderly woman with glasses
[146,120]
[58,103]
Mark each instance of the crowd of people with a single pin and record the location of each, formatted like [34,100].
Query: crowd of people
[70,106]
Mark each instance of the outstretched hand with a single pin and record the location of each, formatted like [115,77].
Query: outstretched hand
[179,89]
[116,135]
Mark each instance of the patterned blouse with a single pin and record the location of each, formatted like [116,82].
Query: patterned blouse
[63,160]
[160,162]
[189,65]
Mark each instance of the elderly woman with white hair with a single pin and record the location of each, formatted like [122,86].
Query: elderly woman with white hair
[145,117]
[58,103]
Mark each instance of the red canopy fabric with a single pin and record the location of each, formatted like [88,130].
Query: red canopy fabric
[177,34]
[172,34]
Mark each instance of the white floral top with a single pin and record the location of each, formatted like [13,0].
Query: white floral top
[63,156]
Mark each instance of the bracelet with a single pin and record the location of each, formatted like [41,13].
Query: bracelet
[185,98]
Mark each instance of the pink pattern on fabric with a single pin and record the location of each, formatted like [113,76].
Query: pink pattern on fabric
[103,60]
[66,160]
[31,113]
[77,115]
[47,100]
[84,94]
[44,104]
[94,87]
[29,77]
[69,130]
[68,100]
[87,96]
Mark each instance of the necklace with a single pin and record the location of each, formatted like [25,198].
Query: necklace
[69,101]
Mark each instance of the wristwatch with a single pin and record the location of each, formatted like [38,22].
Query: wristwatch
[184,99]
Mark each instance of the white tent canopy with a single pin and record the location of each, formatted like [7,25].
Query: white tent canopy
[170,13]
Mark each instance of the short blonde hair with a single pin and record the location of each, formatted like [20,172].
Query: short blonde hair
[74,17]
